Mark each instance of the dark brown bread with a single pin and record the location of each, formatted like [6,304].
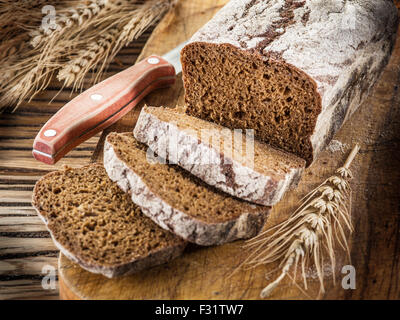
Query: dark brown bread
[235,164]
[96,225]
[292,70]
[175,199]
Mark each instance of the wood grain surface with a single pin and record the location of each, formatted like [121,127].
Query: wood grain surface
[208,273]
[25,246]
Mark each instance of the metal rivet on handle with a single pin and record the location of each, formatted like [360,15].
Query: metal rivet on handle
[153,60]
[96,97]
[50,133]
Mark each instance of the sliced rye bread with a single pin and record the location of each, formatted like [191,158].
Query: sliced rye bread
[240,166]
[96,225]
[294,71]
[177,200]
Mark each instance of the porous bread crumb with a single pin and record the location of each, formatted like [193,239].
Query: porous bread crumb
[178,187]
[97,225]
[277,101]
[178,201]
[230,160]
[294,71]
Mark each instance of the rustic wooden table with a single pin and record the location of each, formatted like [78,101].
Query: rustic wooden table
[25,246]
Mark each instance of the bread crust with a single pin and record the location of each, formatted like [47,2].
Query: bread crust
[228,175]
[152,259]
[341,46]
[247,225]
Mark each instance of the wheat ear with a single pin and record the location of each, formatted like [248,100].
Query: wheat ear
[84,42]
[66,19]
[140,20]
[310,234]
[99,52]
[73,73]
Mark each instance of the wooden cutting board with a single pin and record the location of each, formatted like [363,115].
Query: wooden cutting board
[206,273]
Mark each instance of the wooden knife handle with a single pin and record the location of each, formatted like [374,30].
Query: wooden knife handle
[99,107]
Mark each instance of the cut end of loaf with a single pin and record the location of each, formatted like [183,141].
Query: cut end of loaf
[240,166]
[177,200]
[95,224]
[176,186]
[244,90]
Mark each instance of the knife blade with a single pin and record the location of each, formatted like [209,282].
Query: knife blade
[103,104]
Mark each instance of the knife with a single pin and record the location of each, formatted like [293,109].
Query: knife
[103,104]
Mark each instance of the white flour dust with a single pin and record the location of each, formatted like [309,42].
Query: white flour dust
[336,146]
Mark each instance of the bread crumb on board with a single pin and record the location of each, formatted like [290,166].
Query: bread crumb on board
[336,146]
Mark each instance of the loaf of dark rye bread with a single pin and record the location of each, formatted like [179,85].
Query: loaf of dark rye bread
[97,225]
[292,70]
[177,200]
[234,163]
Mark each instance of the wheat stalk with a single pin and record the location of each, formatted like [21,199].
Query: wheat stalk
[66,19]
[17,18]
[85,41]
[22,4]
[10,50]
[309,235]
[31,73]
[140,21]
[14,17]
[104,48]
[73,73]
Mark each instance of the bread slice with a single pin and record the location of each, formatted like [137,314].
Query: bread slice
[177,200]
[238,165]
[294,71]
[96,225]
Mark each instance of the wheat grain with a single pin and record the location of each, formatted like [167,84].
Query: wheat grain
[14,19]
[310,234]
[27,75]
[74,16]
[74,71]
[141,19]
[86,41]
[121,32]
